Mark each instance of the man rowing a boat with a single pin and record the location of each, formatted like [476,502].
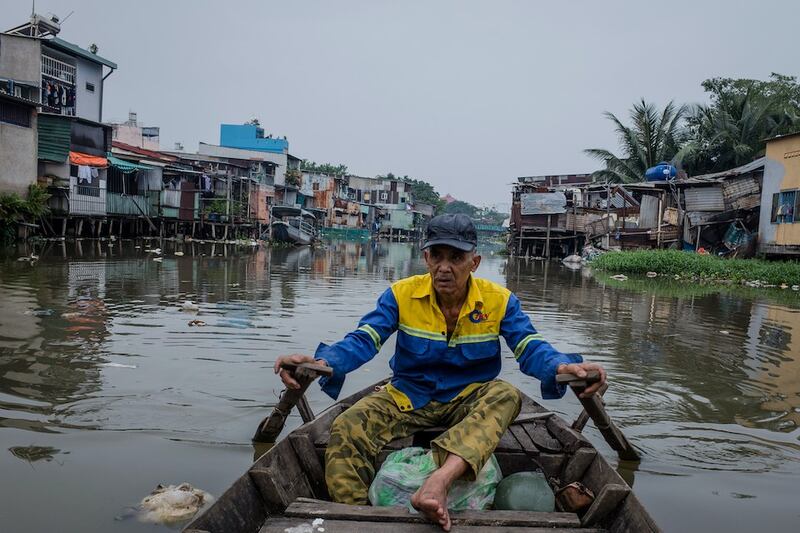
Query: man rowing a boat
[445,366]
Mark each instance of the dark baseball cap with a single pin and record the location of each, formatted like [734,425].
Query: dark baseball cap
[457,231]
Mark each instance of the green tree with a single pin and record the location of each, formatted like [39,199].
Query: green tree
[421,191]
[654,136]
[424,192]
[731,129]
[460,207]
[323,168]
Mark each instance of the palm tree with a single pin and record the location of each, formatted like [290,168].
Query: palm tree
[731,131]
[654,137]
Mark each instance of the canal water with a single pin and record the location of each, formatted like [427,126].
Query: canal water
[106,390]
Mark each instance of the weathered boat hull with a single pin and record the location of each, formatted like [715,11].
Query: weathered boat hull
[285,487]
[283,232]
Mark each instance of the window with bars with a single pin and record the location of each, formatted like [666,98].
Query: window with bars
[14,113]
[785,206]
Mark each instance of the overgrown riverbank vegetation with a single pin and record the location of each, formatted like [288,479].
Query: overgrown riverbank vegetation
[15,209]
[697,267]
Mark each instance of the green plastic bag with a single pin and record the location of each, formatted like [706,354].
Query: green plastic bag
[404,472]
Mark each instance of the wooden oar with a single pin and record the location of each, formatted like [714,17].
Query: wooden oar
[305,373]
[594,408]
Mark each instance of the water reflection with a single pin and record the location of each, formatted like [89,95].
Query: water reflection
[94,336]
[706,379]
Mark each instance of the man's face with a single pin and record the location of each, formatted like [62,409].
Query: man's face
[450,268]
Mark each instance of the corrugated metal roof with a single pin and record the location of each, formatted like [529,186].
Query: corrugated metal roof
[125,166]
[54,138]
[68,47]
[704,199]
[738,171]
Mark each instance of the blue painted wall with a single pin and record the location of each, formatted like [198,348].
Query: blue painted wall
[249,137]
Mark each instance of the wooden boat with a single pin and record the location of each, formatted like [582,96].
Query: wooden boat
[285,487]
[293,225]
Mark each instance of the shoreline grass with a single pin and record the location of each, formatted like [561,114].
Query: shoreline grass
[692,266]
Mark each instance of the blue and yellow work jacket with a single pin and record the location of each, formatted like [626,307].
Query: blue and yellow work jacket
[426,365]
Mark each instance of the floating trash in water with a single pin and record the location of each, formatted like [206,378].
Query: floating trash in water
[179,254]
[158,259]
[620,277]
[117,365]
[190,306]
[39,312]
[651,274]
[572,259]
[34,453]
[198,323]
[173,504]
[724,332]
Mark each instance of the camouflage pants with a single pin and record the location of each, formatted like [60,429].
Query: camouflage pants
[476,422]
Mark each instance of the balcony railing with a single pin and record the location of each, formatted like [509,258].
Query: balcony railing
[87,200]
[58,69]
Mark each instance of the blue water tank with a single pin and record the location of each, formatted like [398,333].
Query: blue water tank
[661,172]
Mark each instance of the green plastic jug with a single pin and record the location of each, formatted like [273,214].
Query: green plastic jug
[525,491]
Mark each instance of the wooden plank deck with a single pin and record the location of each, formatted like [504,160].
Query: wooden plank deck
[310,509]
[283,524]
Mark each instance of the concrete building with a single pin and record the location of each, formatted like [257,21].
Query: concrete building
[251,137]
[247,141]
[65,146]
[19,100]
[132,133]
[779,223]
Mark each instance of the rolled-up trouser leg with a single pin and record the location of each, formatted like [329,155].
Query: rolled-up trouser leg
[477,422]
[357,436]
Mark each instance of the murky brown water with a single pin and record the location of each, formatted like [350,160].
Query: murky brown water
[106,391]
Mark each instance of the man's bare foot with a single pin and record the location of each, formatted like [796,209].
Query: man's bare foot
[431,501]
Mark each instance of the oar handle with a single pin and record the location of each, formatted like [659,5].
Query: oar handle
[592,376]
[313,368]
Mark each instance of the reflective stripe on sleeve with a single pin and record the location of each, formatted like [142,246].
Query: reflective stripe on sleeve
[373,334]
[524,344]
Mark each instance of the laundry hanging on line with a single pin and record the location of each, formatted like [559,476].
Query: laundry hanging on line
[84,174]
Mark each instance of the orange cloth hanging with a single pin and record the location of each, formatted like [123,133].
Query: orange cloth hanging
[79,158]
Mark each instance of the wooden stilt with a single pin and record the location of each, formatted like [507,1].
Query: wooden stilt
[547,240]
[79,229]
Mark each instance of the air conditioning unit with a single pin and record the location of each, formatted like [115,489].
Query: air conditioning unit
[384,196]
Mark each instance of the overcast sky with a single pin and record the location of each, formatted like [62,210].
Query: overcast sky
[466,95]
